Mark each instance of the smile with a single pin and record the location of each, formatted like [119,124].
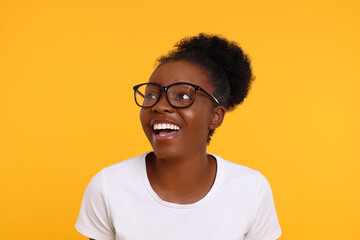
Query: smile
[165,126]
[165,131]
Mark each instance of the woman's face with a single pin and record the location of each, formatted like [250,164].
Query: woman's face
[194,122]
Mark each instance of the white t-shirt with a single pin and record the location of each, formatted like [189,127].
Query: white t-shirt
[119,203]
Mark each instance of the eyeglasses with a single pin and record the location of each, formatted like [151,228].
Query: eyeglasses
[179,95]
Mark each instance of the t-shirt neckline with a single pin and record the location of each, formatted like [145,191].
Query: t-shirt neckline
[209,195]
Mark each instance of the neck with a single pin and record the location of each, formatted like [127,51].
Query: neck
[184,179]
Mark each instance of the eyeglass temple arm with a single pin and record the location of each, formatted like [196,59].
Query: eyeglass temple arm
[217,102]
[140,94]
[210,95]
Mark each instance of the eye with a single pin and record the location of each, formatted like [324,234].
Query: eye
[183,96]
[150,96]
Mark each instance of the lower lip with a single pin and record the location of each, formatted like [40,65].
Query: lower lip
[166,136]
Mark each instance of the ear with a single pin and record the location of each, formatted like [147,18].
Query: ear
[217,117]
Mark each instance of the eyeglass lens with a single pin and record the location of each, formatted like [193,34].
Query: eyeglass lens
[179,95]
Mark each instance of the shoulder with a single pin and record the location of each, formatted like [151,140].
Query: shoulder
[125,165]
[231,169]
[118,172]
[253,190]
[242,176]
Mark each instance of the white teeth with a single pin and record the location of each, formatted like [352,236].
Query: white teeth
[162,126]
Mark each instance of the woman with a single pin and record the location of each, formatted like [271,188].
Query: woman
[179,191]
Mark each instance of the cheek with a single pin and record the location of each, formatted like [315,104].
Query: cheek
[198,120]
[144,119]
[141,115]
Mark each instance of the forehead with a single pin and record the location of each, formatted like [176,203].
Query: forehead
[180,71]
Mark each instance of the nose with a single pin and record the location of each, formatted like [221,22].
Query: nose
[163,105]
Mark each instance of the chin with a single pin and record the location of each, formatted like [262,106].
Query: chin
[166,152]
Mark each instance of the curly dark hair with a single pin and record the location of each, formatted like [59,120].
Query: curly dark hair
[227,66]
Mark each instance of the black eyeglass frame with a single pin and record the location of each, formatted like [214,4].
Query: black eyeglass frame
[165,89]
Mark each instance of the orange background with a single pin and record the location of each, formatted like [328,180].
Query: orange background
[66,104]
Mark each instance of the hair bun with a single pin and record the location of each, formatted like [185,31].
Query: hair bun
[228,67]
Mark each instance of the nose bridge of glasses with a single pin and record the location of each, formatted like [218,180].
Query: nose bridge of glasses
[163,96]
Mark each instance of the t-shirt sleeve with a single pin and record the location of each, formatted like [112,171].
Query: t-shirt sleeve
[265,225]
[94,220]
